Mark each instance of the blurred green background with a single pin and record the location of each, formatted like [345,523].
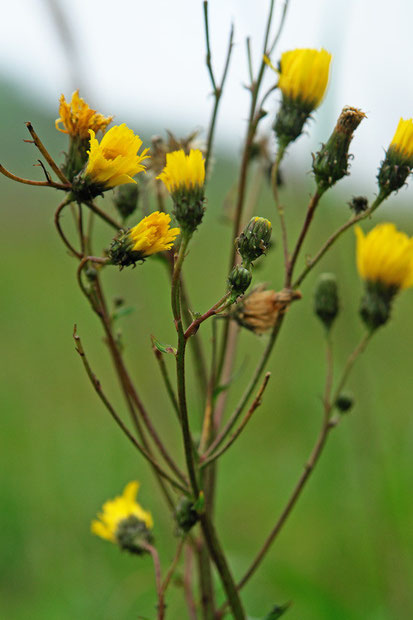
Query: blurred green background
[346,551]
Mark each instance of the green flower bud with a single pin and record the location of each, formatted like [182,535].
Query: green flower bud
[254,239]
[239,280]
[326,302]
[330,164]
[77,156]
[376,304]
[344,402]
[125,199]
[359,204]
[186,514]
[290,120]
[131,533]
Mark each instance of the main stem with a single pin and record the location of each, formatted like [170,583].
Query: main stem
[208,529]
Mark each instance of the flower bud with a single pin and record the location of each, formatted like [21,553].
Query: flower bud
[254,239]
[398,162]
[359,204]
[330,164]
[125,199]
[326,303]
[344,402]
[132,534]
[239,280]
[376,304]
[186,514]
[259,310]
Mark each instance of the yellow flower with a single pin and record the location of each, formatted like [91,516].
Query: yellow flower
[304,75]
[403,139]
[117,510]
[115,160]
[153,234]
[183,172]
[77,117]
[385,256]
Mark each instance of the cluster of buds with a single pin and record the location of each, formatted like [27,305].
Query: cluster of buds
[252,243]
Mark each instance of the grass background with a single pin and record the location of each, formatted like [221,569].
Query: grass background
[346,551]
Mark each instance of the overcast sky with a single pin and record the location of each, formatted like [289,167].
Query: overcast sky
[145,60]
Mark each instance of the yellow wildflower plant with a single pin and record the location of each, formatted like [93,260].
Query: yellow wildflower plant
[153,234]
[385,255]
[123,513]
[115,159]
[385,262]
[183,172]
[77,118]
[184,178]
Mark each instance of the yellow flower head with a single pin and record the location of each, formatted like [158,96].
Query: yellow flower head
[385,256]
[117,510]
[77,117]
[304,75]
[403,139]
[153,234]
[183,172]
[115,160]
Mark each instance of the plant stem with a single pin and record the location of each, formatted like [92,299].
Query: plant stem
[46,155]
[220,306]
[173,565]
[333,238]
[204,461]
[98,388]
[13,177]
[104,216]
[280,208]
[59,229]
[158,580]
[327,425]
[165,376]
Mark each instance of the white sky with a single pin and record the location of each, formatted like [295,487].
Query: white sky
[145,60]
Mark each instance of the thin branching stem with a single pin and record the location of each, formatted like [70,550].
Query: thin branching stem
[98,388]
[204,462]
[39,144]
[59,228]
[14,177]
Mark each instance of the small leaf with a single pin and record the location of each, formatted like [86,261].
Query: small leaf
[278,611]
[121,312]
[199,505]
[163,348]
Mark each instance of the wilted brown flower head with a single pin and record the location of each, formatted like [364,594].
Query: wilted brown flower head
[160,147]
[258,311]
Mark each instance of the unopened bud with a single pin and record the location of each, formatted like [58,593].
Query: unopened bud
[330,164]
[125,199]
[132,534]
[326,302]
[344,402]
[186,514]
[239,280]
[359,204]
[376,304]
[254,239]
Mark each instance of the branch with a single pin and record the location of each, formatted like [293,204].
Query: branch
[98,388]
[13,177]
[210,455]
[46,155]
